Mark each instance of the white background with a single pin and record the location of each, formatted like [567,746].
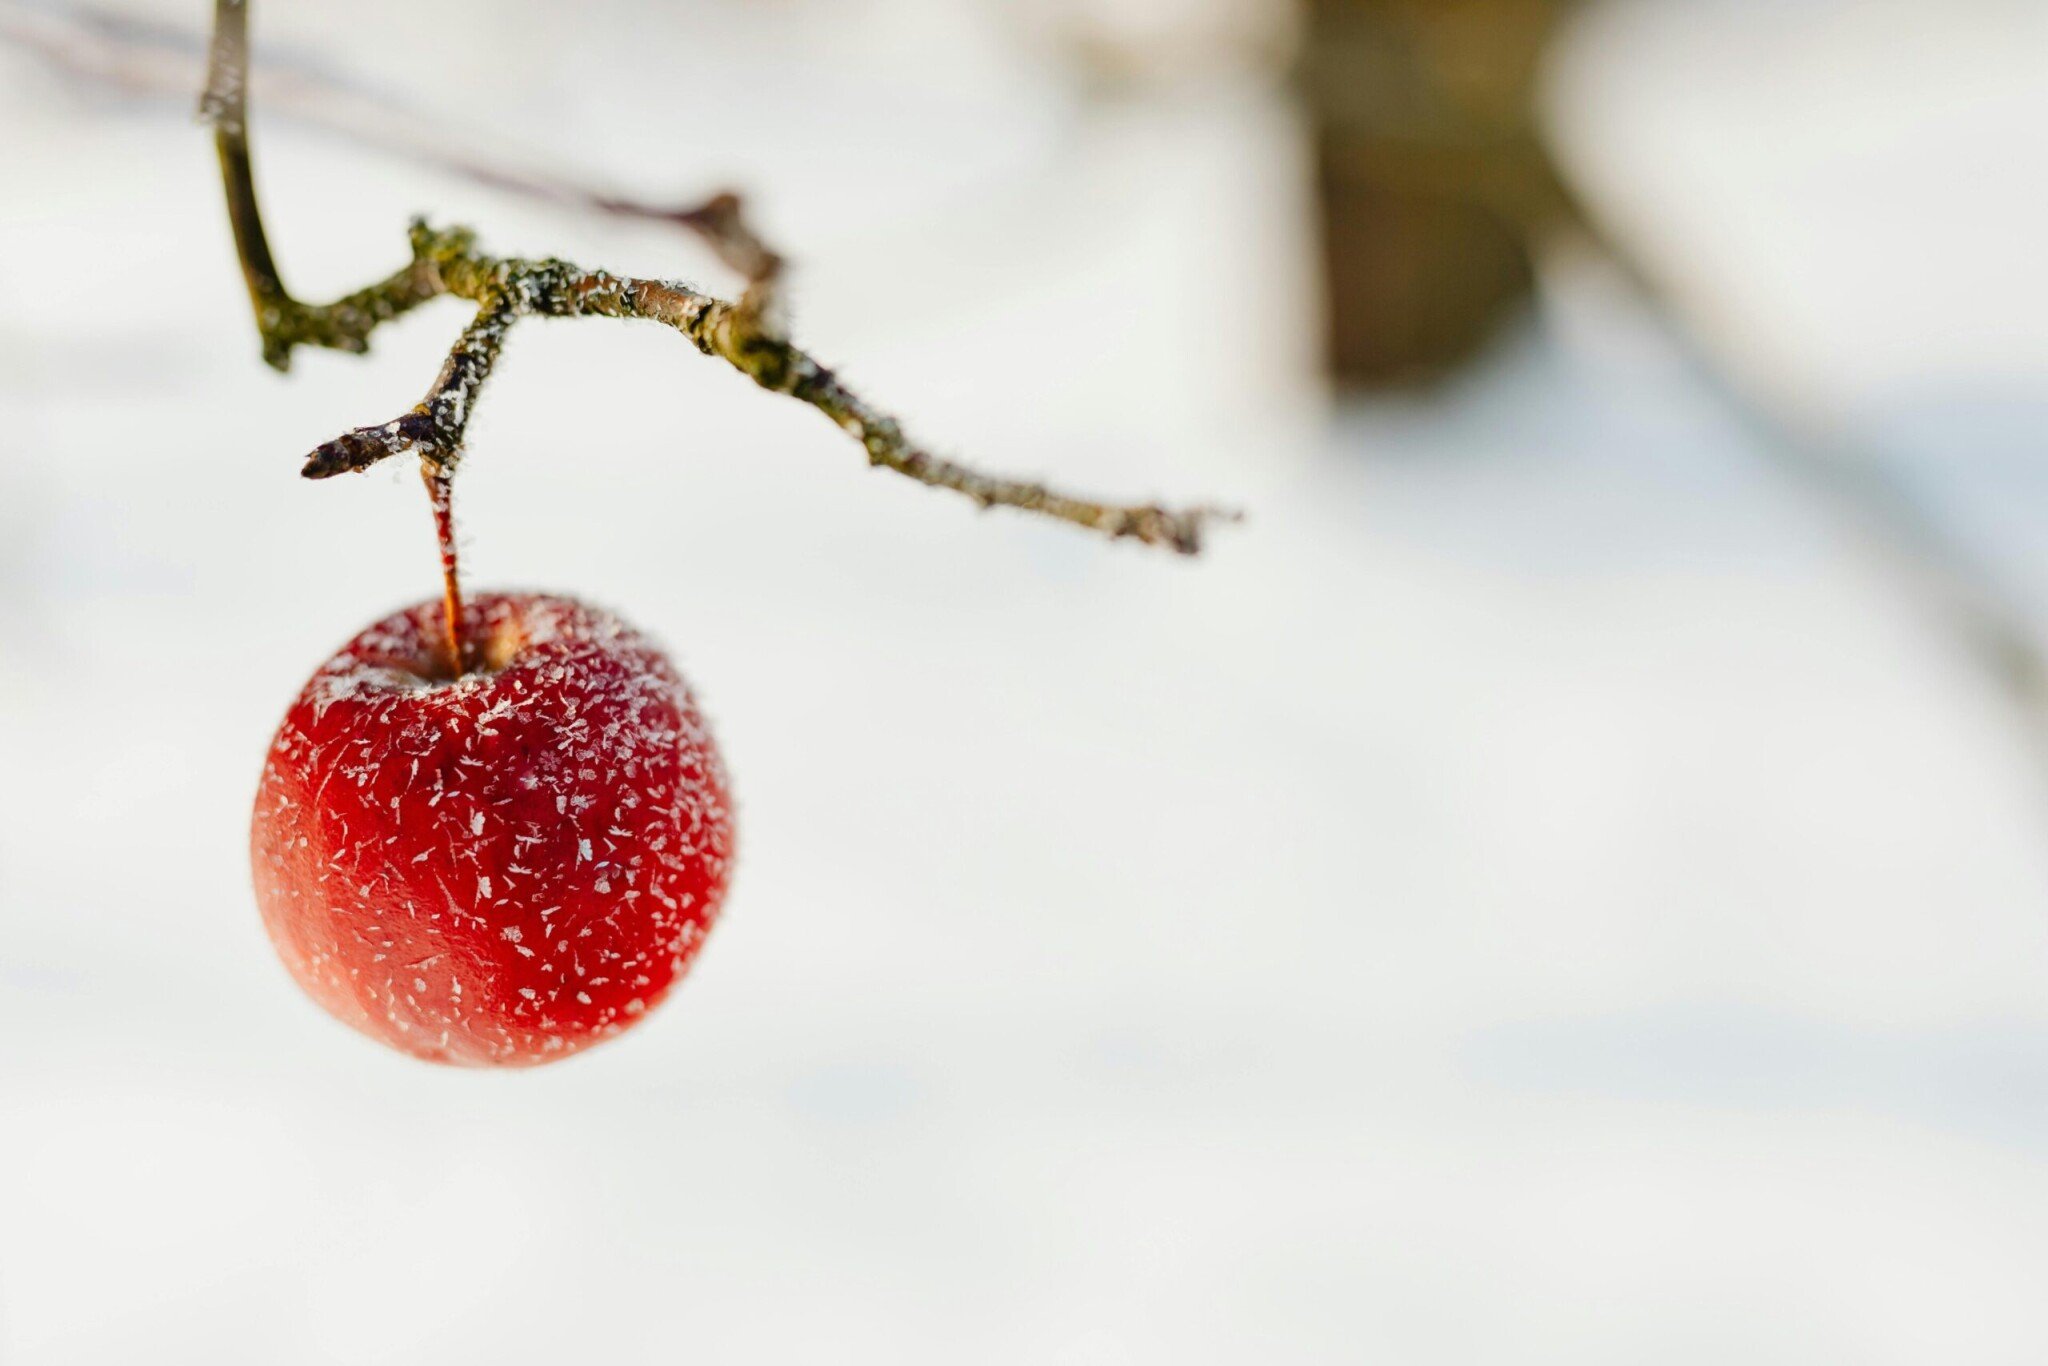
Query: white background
[1540,892]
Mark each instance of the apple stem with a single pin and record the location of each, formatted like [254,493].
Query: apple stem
[440,481]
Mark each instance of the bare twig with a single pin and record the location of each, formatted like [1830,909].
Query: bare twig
[282,321]
[749,334]
[506,289]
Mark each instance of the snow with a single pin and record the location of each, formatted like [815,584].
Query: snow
[1537,892]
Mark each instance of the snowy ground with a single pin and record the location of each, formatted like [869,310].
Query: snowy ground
[1539,893]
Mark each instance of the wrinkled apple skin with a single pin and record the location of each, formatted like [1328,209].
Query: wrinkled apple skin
[503,869]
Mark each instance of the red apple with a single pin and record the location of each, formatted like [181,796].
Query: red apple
[500,869]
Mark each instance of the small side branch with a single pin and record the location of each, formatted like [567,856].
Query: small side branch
[434,427]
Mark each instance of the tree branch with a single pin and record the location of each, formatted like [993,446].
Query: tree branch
[507,289]
[749,335]
[282,322]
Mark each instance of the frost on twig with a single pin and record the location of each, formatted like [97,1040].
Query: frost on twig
[749,334]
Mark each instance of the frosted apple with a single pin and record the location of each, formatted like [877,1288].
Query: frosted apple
[497,869]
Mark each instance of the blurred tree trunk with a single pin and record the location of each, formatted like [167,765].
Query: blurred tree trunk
[1432,180]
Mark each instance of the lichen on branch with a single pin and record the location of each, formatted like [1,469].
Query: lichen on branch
[749,334]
